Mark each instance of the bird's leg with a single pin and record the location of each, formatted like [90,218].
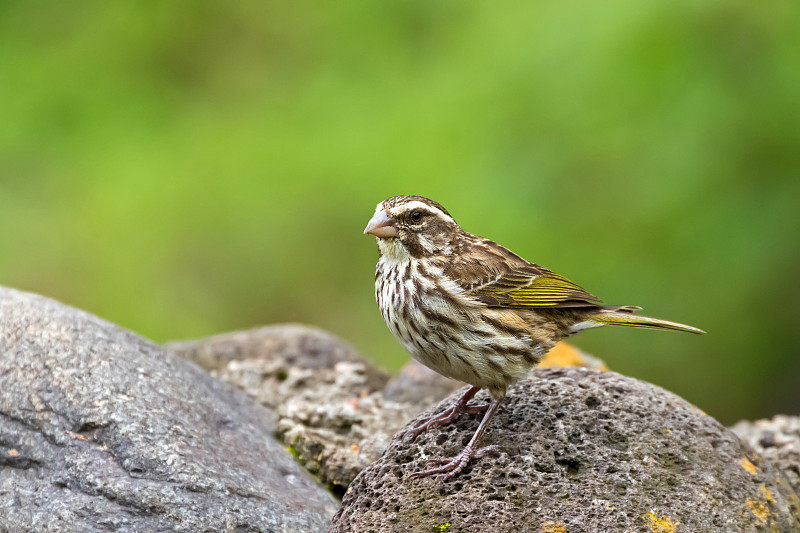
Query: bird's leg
[448,415]
[450,467]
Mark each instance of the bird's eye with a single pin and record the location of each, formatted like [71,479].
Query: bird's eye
[416,216]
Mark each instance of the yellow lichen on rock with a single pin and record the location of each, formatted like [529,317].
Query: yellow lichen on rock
[759,509]
[702,413]
[794,501]
[563,355]
[553,527]
[747,465]
[660,525]
[767,494]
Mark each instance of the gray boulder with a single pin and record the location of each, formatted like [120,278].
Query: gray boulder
[102,430]
[583,452]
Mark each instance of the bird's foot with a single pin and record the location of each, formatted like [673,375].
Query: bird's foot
[446,416]
[442,418]
[450,467]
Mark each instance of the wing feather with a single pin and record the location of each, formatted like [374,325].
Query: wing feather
[500,278]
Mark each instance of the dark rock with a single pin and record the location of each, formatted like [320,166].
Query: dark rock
[102,430]
[778,440]
[583,452]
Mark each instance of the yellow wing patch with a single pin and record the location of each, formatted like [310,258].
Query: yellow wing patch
[518,289]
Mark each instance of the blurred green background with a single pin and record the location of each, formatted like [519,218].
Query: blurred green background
[186,168]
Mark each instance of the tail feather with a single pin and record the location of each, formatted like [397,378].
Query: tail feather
[623,316]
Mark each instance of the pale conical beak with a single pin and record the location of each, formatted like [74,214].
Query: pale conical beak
[381,225]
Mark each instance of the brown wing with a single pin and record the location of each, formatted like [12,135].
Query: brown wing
[500,278]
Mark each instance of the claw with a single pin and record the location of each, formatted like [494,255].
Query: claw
[450,467]
[493,449]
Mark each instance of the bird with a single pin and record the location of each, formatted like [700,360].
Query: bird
[472,310]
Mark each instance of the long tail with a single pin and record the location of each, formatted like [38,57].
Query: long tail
[623,316]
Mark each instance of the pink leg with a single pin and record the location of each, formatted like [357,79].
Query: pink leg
[450,467]
[448,415]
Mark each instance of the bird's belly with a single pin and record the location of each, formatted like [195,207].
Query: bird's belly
[455,342]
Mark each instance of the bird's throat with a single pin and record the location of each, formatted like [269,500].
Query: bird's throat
[393,250]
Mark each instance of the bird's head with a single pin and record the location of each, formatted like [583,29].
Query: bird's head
[412,225]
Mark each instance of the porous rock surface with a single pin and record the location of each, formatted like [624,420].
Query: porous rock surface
[102,430]
[583,452]
[778,440]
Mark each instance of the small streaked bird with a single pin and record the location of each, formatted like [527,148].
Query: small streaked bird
[474,311]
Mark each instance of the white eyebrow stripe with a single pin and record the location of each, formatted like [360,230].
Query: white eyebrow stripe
[416,204]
